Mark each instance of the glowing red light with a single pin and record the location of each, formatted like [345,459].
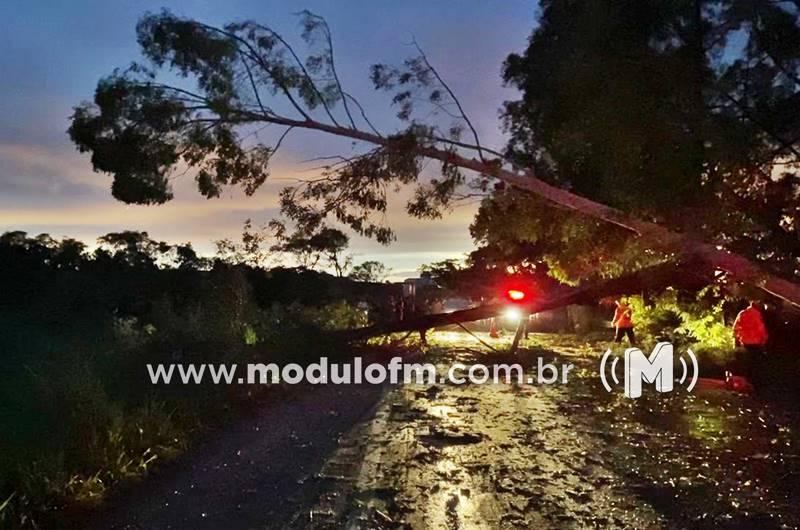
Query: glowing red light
[516,295]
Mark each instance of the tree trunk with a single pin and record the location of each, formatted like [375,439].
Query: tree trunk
[740,268]
[688,275]
[521,327]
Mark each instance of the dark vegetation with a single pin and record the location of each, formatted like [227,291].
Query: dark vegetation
[78,411]
[645,133]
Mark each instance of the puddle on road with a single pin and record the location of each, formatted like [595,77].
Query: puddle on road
[443,412]
[572,456]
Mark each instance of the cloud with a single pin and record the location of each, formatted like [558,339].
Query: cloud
[54,190]
[32,172]
[40,159]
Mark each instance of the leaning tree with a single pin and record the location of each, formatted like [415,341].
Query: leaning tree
[146,121]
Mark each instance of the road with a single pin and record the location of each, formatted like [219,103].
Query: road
[445,456]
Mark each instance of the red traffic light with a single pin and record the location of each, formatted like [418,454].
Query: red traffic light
[515,295]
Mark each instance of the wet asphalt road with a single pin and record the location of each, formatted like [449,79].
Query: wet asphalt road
[487,456]
[254,474]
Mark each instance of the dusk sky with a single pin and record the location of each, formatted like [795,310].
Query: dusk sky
[54,53]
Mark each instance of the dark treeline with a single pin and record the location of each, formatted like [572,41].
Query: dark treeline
[77,327]
[150,266]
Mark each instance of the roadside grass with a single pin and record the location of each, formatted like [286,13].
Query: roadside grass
[80,416]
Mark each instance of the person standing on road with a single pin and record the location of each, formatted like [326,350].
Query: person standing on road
[749,330]
[750,338]
[623,322]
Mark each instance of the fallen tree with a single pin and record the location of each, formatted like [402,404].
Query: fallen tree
[140,129]
[689,248]
[683,274]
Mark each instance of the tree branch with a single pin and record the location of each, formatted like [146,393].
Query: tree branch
[739,267]
[260,60]
[302,69]
[653,278]
[363,113]
[333,65]
[253,85]
[280,140]
[746,113]
[452,96]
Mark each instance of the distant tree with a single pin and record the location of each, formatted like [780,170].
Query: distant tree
[309,250]
[14,238]
[369,271]
[131,249]
[141,125]
[186,258]
[18,251]
[70,255]
[485,271]
[251,250]
[462,279]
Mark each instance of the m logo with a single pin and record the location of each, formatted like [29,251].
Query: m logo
[658,368]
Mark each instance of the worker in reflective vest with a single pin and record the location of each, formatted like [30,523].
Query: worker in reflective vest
[623,322]
[749,329]
[750,337]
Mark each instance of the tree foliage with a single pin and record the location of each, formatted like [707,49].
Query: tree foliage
[325,244]
[631,114]
[369,271]
[518,229]
[140,129]
[683,111]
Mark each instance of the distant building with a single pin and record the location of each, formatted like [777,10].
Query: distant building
[412,285]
